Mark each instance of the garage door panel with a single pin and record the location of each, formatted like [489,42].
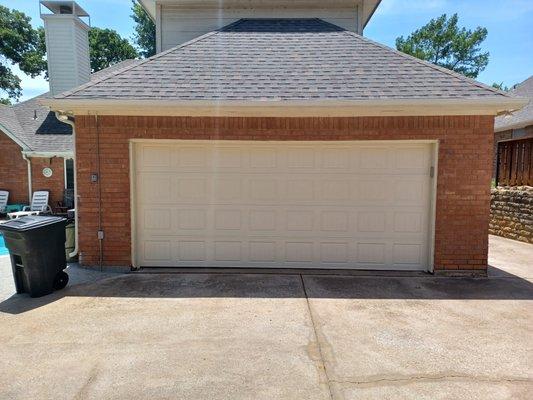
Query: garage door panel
[308,205]
[267,220]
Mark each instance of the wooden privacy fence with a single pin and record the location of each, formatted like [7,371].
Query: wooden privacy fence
[515,162]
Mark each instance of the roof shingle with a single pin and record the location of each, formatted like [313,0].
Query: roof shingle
[523,117]
[282,59]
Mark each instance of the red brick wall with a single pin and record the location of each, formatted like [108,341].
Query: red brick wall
[13,170]
[14,173]
[55,184]
[464,171]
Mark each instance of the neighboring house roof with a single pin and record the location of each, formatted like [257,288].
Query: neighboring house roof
[283,59]
[9,124]
[36,129]
[523,117]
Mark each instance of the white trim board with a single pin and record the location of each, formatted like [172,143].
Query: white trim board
[325,108]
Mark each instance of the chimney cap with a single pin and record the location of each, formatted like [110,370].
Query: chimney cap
[59,7]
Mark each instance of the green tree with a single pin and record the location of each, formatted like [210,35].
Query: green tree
[144,36]
[107,47]
[19,44]
[443,43]
[500,86]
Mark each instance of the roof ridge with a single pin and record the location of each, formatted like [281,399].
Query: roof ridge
[142,62]
[431,65]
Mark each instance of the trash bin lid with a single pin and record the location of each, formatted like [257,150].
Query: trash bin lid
[30,222]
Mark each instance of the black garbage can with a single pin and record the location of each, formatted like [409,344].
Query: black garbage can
[36,246]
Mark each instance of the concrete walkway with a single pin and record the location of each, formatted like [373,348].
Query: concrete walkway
[275,336]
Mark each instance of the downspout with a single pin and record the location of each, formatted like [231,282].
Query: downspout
[28,162]
[64,118]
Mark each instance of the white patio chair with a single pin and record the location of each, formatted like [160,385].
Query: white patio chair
[39,204]
[4,195]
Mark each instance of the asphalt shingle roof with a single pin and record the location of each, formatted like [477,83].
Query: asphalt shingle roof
[282,59]
[523,117]
[37,127]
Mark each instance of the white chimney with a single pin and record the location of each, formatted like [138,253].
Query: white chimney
[67,45]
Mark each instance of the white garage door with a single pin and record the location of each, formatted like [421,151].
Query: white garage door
[282,204]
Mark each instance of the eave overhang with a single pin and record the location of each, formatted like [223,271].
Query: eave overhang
[288,108]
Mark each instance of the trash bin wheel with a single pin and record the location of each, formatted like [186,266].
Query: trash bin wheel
[60,280]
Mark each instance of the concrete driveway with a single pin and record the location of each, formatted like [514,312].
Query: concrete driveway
[273,336]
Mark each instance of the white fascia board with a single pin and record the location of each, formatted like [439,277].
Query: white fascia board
[149,6]
[48,154]
[306,108]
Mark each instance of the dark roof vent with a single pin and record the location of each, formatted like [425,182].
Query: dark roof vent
[64,9]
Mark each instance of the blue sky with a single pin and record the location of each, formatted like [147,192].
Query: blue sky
[509,22]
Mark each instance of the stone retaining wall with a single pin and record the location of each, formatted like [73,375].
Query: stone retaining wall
[511,213]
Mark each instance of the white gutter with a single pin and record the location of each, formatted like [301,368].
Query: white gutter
[28,162]
[48,154]
[64,118]
[290,108]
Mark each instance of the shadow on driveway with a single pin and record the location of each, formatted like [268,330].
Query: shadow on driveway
[502,286]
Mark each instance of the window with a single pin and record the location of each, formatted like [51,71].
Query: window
[69,173]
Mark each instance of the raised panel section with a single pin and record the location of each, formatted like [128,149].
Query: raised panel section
[227,251]
[192,189]
[157,188]
[264,189]
[371,253]
[192,251]
[262,251]
[408,222]
[406,254]
[299,251]
[192,157]
[334,252]
[192,219]
[227,220]
[371,221]
[157,219]
[157,250]
[155,156]
[335,221]
[262,220]
[300,157]
[300,221]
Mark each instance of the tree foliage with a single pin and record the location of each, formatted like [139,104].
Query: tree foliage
[107,47]
[20,45]
[500,86]
[25,46]
[443,43]
[144,36]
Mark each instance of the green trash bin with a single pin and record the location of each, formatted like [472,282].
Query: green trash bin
[36,246]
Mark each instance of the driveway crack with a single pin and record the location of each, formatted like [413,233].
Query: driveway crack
[321,360]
